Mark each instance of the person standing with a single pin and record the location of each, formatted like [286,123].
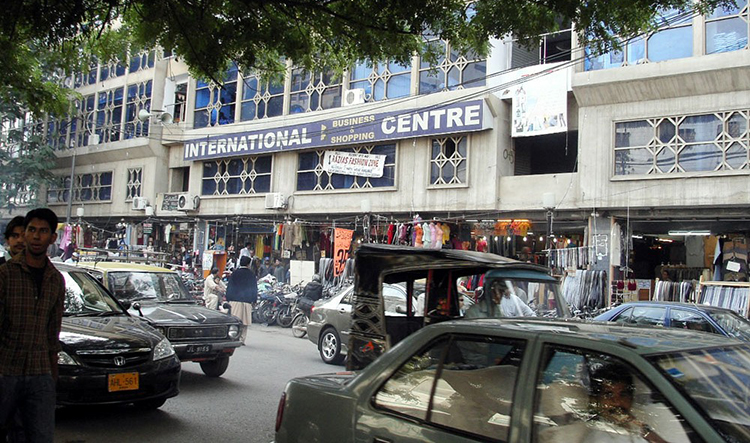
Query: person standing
[265,268]
[213,289]
[247,251]
[279,271]
[32,293]
[242,292]
[14,238]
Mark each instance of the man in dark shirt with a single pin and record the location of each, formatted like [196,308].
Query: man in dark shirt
[14,237]
[32,293]
[242,292]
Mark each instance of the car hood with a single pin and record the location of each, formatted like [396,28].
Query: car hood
[116,332]
[174,314]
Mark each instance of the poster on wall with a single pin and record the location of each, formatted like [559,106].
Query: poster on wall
[341,243]
[353,163]
[540,103]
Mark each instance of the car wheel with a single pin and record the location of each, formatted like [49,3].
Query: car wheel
[299,325]
[154,403]
[285,317]
[329,345]
[215,368]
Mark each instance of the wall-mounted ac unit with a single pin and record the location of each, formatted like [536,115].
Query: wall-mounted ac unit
[354,97]
[139,203]
[188,202]
[275,200]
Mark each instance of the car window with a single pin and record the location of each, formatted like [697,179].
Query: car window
[592,397]
[686,319]
[347,298]
[394,299]
[648,315]
[133,285]
[459,383]
[734,325]
[84,296]
[624,316]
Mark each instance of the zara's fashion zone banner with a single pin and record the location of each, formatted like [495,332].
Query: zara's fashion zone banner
[351,129]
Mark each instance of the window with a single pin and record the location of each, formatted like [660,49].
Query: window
[141,60]
[453,70]
[86,187]
[261,98]
[57,133]
[312,177]
[109,115]
[180,98]
[135,179]
[381,81]
[460,383]
[448,161]
[139,97]
[643,315]
[684,319]
[673,40]
[112,69]
[86,78]
[214,104]
[708,142]
[727,28]
[83,122]
[314,92]
[237,176]
[588,396]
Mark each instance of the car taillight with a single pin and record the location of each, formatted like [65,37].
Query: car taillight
[280,411]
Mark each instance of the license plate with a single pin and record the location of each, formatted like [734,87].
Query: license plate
[126,381]
[194,349]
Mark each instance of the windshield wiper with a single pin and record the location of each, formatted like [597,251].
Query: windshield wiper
[92,314]
[108,313]
[148,297]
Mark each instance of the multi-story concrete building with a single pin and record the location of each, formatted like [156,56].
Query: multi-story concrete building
[653,138]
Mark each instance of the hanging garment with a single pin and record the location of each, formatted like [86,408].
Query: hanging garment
[426,235]
[615,255]
[391,231]
[418,235]
[297,234]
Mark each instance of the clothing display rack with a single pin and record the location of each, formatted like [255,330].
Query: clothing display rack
[585,289]
[724,294]
[567,258]
[678,273]
[682,291]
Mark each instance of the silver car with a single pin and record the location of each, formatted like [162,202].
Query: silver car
[331,320]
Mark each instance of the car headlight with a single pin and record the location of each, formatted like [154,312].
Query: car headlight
[162,330]
[64,359]
[234,331]
[163,350]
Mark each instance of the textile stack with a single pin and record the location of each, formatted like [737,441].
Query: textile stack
[585,290]
[730,297]
[683,291]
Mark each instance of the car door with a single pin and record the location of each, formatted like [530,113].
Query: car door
[690,319]
[458,388]
[642,315]
[342,317]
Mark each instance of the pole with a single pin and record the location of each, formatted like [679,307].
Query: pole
[70,191]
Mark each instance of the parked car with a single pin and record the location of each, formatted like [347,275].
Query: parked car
[682,316]
[331,320]
[197,333]
[525,380]
[109,356]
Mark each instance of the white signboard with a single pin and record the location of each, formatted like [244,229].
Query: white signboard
[540,104]
[351,163]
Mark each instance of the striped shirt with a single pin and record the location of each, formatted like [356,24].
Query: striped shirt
[30,318]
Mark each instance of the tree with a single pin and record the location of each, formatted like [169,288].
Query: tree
[42,40]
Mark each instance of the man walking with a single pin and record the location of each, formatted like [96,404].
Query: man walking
[242,292]
[32,293]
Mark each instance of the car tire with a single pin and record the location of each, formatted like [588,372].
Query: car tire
[147,405]
[215,368]
[329,345]
[299,325]
[285,317]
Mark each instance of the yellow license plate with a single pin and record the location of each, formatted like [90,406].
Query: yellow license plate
[126,381]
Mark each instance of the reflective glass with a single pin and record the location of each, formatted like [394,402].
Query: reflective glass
[703,157]
[736,125]
[262,183]
[665,159]
[736,156]
[700,128]
[202,97]
[249,88]
[671,44]
[247,111]
[475,74]
[399,86]
[274,107]
[724,11]
[630,134]
[429,82]
[633,161]
[726,35]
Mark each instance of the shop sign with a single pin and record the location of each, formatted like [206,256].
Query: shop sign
[183,226]
[170,203]
[353,163]
[341,243]
[148,227]
[371,128]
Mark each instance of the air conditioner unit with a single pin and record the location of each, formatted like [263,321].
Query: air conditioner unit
[354,97]
[188,202]
[275,200]
[139,203]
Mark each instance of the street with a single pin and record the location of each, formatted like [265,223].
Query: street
[239,406]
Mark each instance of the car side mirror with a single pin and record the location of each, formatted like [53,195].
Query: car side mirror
[137,307]
[228,307]
[126,304]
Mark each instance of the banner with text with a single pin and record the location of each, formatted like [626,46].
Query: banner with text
[342,241]
[351,130]
[353,163]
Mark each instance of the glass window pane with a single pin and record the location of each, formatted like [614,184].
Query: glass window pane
[262,183]
[636,49]
[703,157]
[632,134]
[306,181]
[209,187]
[475,74]
[202,98]
[684,319]
[263,164]
[643,315]
[399,86]
[736,156]
[671,44]
[248,111]
[665,159]
[726,35]
[210,169]
[275,106]
[700,128]
[723,11]
[430,82]
[633,161]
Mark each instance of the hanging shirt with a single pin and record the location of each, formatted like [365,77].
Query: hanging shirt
[426,235]
[418,234]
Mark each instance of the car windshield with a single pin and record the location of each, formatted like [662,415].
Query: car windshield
[512,298]
[716,379]
[733,324]
[84,296]
[159,286]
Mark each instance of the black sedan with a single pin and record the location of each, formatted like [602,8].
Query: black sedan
[682,316]
[109,356]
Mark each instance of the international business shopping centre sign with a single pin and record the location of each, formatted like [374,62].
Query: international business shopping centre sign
[468,116]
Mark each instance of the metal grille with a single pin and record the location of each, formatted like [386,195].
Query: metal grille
[107,358]
[197,333]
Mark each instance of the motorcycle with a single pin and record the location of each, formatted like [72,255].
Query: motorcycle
[288,308]
[299,323]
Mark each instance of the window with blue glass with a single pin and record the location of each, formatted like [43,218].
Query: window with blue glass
[86,187]
[142,60]
[449,158]
[138,97]
[109,115]
[83,124]
[453,70]
[314,91]
[237,176]
[679,144]
[111,70]
[261,98]
[727,28]
[380,81]
[215,104]
[312,177]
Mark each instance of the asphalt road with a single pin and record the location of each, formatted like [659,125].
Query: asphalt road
[238,407]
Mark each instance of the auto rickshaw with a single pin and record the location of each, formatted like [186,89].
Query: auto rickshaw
[437,276]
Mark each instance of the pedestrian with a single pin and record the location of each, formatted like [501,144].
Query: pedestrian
[265,268]
[242,292]
[32,293]
[213,289]
[14,238]
[279,271]
[247,251]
